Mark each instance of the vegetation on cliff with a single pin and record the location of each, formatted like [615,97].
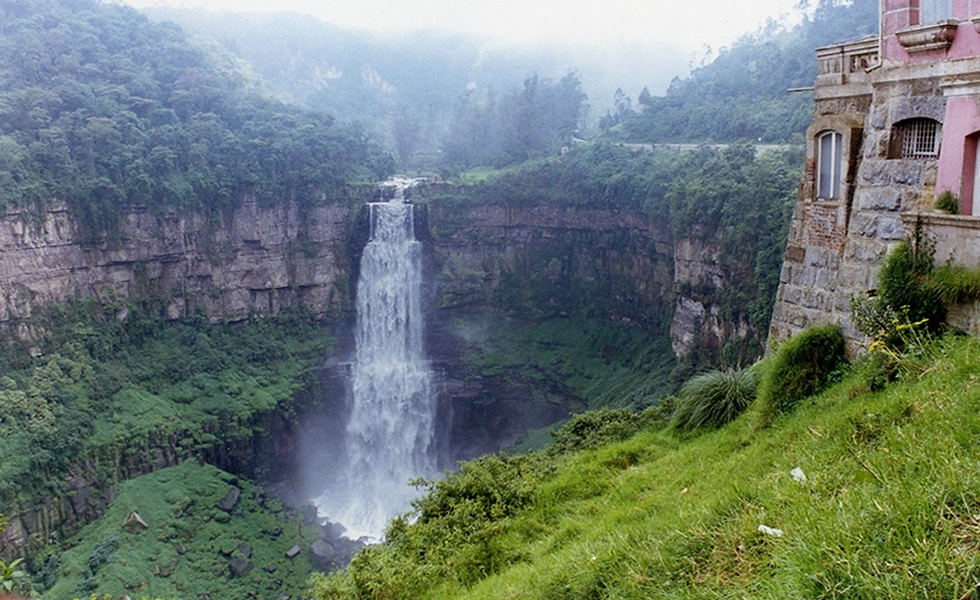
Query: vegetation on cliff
[111,393]
[734,201]
[100,108]
[742,93]
[188,525]
[856,493]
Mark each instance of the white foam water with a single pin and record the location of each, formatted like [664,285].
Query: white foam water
[390,431]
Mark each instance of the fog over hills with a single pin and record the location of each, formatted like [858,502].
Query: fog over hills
[377,78]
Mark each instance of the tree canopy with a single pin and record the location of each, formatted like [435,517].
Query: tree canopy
[100,108]
[742,94]
[525,124]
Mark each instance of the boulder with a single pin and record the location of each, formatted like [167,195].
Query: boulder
[239,566]
[230,499]
[331,554]
[134,523]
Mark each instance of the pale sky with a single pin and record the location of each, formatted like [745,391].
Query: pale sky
[689,25]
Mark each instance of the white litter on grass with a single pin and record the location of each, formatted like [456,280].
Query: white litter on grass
[798,475]
[771,531]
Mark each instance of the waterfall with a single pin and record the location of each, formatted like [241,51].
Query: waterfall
[390,430]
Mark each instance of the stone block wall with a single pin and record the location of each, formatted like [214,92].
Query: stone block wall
[835,247]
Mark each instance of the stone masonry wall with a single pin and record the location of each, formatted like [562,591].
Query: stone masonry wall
[835,248]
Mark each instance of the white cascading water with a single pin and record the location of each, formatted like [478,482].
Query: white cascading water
[391,425]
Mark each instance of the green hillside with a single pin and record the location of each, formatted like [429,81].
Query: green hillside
[742,93]
[101,109]
[191,528]
[888,507]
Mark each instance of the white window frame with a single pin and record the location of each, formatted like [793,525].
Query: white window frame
[830,163]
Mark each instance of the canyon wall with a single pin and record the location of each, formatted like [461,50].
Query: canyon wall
[545,259]
[257,260]
[254,260]
[535,261]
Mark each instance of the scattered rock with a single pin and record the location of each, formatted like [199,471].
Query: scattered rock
[230,500]
[134,523]
[167,570]
[239,566]
[246,550]
[221,516]
[293,552]
[309,514]
[332,554]
[332,531]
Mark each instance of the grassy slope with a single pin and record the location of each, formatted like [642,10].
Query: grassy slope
[888,511]
[187,549]
[890,507]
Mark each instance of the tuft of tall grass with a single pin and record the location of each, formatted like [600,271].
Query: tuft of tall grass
[954,284]
[714,398]
[800,368]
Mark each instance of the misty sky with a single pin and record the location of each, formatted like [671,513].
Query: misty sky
[688,26]
[611,43]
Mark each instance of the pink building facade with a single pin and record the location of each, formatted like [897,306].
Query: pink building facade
[896,124]
[943,36]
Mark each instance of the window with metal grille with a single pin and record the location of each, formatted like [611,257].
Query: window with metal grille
[915,138]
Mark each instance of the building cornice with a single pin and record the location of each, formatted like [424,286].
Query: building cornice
[925,38]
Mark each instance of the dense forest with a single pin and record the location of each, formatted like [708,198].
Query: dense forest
[427,96]
[743,93]
[100,108]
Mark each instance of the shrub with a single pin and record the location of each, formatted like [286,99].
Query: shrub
[901,283]
[714,398]
[955,285]
[800,368]
[948,202]
[594,428]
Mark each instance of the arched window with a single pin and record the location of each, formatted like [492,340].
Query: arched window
[915,138]
[829,164]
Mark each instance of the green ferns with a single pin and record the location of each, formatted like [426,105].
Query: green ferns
[12,577]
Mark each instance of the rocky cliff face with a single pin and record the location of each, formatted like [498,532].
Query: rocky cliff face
[537,260]
[547,259]
[254,260]
[698,321]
